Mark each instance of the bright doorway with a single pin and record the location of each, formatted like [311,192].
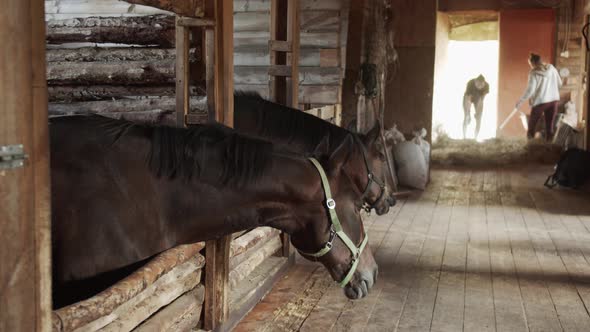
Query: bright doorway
[463,53]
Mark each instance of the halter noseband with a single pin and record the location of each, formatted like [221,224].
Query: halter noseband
[336,230]
[371,179]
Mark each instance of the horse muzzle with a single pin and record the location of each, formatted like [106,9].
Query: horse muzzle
[359,287]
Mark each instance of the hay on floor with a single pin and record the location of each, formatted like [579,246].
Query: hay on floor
[493,152]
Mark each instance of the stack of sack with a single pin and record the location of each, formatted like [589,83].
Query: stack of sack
[412,158]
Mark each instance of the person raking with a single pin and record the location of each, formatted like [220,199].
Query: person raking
[475,93]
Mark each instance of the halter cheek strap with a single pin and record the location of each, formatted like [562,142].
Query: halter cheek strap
[336,230]
[370,179]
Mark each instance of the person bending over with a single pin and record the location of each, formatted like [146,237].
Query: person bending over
[477,89]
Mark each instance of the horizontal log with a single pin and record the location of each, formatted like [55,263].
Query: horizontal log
[105,54]
[142,30]
[67,93]
[254,259]
[192,8]
[163,71]
[181,315]
[166,289]
[156,104]
[251,239]
[76,315]
[116,72]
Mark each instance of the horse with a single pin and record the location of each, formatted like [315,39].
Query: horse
[304,133]
[123,192]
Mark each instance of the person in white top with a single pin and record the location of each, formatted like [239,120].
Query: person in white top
[543,94]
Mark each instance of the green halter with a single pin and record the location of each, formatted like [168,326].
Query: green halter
[336,229]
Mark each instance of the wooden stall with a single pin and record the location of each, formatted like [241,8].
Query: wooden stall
[179,75]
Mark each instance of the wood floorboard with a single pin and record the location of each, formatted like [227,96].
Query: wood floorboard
[479,250]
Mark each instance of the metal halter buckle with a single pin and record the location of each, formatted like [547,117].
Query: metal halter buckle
[331,204]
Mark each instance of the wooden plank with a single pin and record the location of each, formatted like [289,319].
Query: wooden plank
[220,93]
[449,309]
[479,299]
[278,31]
[287,288]
[194,22]
[181,315]
[539,308]
[216,306]
[182,72]
[554,262]
[509,310]
[100,307]
[40,157]
[259,283]
[397,258]
[293,31]
[279,70]
[18,279]
[417,313]
[280,46]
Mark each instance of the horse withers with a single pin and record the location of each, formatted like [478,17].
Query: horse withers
[304,133]
[123,192]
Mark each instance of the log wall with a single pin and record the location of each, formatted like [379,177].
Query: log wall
[117,57]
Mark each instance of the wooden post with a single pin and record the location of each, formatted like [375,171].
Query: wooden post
[25,279]
[293,25]
[182,73]
[217,251]
[284,52]
[284,63]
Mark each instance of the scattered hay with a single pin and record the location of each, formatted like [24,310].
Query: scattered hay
[493,152]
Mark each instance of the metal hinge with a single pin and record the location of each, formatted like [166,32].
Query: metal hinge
[12,156]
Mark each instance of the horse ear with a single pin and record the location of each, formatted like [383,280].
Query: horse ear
[373,134]
[341,154]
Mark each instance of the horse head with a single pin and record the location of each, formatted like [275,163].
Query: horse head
[334,234]
[378,193]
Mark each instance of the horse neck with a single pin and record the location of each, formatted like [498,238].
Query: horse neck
[284,198]
[261,118]
[356,169]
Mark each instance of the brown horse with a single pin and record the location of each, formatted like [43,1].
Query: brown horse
[304,133]
[123,192]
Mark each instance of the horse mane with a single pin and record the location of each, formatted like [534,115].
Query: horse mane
[278,121]
[213,153]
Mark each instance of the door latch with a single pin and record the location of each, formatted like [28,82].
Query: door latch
[12,156]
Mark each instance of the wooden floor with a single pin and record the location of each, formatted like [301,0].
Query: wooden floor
[478,251]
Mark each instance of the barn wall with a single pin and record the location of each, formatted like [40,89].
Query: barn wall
[409,95]
[321,58]
[516,42]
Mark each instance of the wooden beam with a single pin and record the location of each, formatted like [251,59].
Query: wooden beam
[224,64]
[279,46]
[293,22]
[41,187]
[354,43]
[195,22]
[280,70]
[217,252]
[25,279]
[182,73]
[278,32]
